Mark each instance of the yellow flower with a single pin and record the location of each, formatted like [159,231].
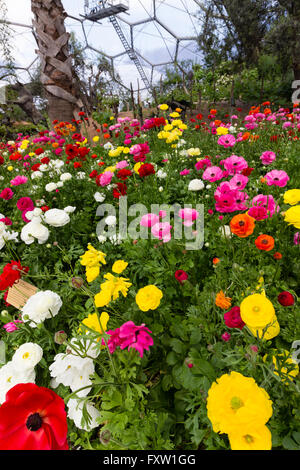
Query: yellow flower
[285,366]
[102,298]
[222,131]
[148,298]
[292,216]
[257,439]
[194,152]
[92,322]
[112,118]
[91,260]
[24,144]
[164,107]
[174,115]
[235,404]
[96,138]
[10,168]
[119,266]
[114,285]
[257,311]
[266,333]
[110,168]
[137,166]
[292,197]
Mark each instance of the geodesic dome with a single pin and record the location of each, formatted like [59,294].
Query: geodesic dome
[139,41]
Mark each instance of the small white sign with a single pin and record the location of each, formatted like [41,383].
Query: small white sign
[2,352]
[3,86]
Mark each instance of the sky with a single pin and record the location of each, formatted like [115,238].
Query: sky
[152,41]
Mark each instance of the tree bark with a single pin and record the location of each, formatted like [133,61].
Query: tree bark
[57,74]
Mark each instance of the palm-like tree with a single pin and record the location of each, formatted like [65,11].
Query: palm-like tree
[57,74]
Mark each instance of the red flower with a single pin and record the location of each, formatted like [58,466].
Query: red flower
[121,191]
[77,165]
[286,299]
[124,174]
[1,160]
[45,160]
[247,171]
[199,116]
[11,273]
[35,167]
[233,318]
[181,276]
[71,151]
[45,208]
[94,174]
[39,151]
[146,170]
[83,151]
[33,418]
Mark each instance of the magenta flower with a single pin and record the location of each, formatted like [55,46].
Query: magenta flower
[203,164]
[181,276]
[277,177]
[6,194]
[268,157]
[227,141]
[185,172]
[226,336]
[266,202]
[18,180]
[238,182]
[130,336]
[7,221]
[258,212]
[212,174]
[11,326]
[233,318]
[25,204]
[297,238]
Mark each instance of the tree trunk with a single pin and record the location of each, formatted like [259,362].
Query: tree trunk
[26,103]
[57,74]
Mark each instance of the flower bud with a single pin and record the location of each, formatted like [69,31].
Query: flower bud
[60,337]
[77,282]
[104,437]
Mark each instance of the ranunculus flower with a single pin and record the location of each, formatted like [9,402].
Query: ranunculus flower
[233,318]
[56,218]
[227,140]
[268,157]
[25,204]
[149,220]
[18,180]
[6,194]
[212,174]
[188,216]
[33,418]
[277,178]
[286,299]
[181,276]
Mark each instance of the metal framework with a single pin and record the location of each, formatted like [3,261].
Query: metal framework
[116,19]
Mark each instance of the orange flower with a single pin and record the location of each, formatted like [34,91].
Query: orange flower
[263,180]
[246,136]
[106,136]
[277,255]
[216,261]
[213,111]
[55,145]
[254,137]
[242,225]
[218,123]
[267,111]
[265,242]
[222,301]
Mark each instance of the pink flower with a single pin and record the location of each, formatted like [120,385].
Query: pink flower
[188,216]
[162,231]
[227,141]
[258,212]
[268,157]
[297,238]
[266,202]
[121,165]
[185,172]
[10,327]
[233,318]
[238,181]
[212,174]
[7,221]
[6,194]
[226,336]
[106,178]
[149,220]
[181,276]
[277,177]
[235,164]
[19,180]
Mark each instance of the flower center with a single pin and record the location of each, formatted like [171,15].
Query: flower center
[256,309]
[236,403]
[34,422]
[249,439]
[26,355]
[241,223]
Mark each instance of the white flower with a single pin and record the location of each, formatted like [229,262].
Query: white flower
[56,218]
[43,168]
[75,413]
[111,220]
[27,356]
[161,174]
[72,371]
[10,376]
[36,174]
[40,306]
[196,185]
[65,177]
[70,209]
[6,235]
[59,184]
[116,239]
[34,230]
[160,189]
[50,187]
[99,197]
[102,238]
[80,175]
[108,146]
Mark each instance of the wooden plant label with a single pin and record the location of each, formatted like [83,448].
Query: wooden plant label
[19,293]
